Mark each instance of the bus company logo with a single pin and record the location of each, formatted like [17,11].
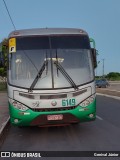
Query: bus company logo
[53,103]
[5,154]
[36,104]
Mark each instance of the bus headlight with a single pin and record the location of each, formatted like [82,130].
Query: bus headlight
[18,105]
[88,101]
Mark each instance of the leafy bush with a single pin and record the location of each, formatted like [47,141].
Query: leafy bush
[113,76]
[2,72]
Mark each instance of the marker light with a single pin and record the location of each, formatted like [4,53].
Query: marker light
[16,33]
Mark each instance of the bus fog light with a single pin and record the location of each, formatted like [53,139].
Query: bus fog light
[91,115]
[16,120]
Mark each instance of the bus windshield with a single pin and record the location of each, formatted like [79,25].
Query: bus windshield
[51,53]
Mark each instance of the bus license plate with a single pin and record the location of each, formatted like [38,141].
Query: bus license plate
[54,117]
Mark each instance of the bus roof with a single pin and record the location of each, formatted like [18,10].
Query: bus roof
[46,31]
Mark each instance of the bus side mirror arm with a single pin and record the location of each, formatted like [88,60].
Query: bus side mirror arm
[94,52]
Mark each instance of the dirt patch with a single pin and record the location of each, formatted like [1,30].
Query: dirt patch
[108,92]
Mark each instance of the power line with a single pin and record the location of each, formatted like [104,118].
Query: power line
[9,14]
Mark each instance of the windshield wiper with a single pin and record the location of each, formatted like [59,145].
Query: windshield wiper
[57,61]
[39,74]
[66,75]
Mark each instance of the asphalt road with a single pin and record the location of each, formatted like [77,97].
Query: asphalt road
[100,135]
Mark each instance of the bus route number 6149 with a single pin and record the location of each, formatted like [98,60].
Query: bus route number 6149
[68,102]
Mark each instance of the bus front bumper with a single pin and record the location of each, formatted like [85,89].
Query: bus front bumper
[33,118]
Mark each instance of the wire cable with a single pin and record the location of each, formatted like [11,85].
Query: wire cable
[9,14]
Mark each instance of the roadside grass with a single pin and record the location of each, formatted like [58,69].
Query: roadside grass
[109,79]
[115,79]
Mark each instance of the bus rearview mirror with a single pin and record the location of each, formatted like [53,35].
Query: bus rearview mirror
[93,50]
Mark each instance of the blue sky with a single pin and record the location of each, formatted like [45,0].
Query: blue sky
[100,18]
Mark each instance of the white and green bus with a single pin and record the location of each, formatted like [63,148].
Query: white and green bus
[51,77]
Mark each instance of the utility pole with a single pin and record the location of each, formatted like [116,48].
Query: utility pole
[97,67]
[103,67]
[97,61]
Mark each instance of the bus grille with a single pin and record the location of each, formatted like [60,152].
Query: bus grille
[52,109]
[42,120]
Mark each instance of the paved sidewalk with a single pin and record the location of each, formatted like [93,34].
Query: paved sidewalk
[4,112]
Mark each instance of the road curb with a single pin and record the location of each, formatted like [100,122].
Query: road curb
[106,95]
[4,129]
[4,125]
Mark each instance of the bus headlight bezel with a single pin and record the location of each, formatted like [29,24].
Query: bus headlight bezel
[18,105]
[88,101]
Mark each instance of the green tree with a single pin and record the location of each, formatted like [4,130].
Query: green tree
[3,69]
[113,76]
